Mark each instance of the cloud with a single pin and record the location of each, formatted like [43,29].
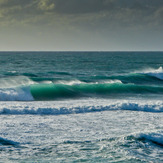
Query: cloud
[83,14]
[89,6]
[80,23]
[46,5]
[81,7]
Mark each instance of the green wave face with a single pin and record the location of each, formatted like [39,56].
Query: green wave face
[55,91]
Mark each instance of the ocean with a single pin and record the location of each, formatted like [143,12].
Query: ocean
[81,107]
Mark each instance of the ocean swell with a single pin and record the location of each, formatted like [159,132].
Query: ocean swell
[22,88]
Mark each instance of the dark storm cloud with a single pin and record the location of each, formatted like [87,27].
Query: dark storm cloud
[116,9]
[89,6]
[84,19]
[82,7]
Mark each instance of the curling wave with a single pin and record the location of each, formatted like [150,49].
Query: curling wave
[22,88]
[55,91]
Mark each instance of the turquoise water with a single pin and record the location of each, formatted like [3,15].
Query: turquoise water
[81,106]
[61,75]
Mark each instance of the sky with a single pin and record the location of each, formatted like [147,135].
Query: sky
[81,25]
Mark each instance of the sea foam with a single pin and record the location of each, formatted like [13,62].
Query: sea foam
[16,81]
[16,94]
[78,106]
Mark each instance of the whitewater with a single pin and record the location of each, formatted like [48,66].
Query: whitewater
[81,107]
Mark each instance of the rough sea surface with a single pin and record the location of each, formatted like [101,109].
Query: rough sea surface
[81,107]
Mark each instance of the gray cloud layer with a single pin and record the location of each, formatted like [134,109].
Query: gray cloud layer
[122,10]
[69,19]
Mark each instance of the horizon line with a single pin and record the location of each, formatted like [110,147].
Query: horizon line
[81,51]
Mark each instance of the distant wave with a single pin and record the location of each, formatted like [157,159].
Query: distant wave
[157,73]
[78,106]
[143,77]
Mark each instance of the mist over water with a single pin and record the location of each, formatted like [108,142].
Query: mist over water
[81,106]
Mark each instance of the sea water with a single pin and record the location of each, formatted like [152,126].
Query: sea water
[81,106]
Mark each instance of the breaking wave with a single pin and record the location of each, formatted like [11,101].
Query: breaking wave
[144,145]
[64,91]
[78,106]
[156,138]
[22,88]
[157,73]
[16,94]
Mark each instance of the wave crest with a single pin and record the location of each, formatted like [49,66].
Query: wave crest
[78,106]
[156,138]
[17,81]
[158,73]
